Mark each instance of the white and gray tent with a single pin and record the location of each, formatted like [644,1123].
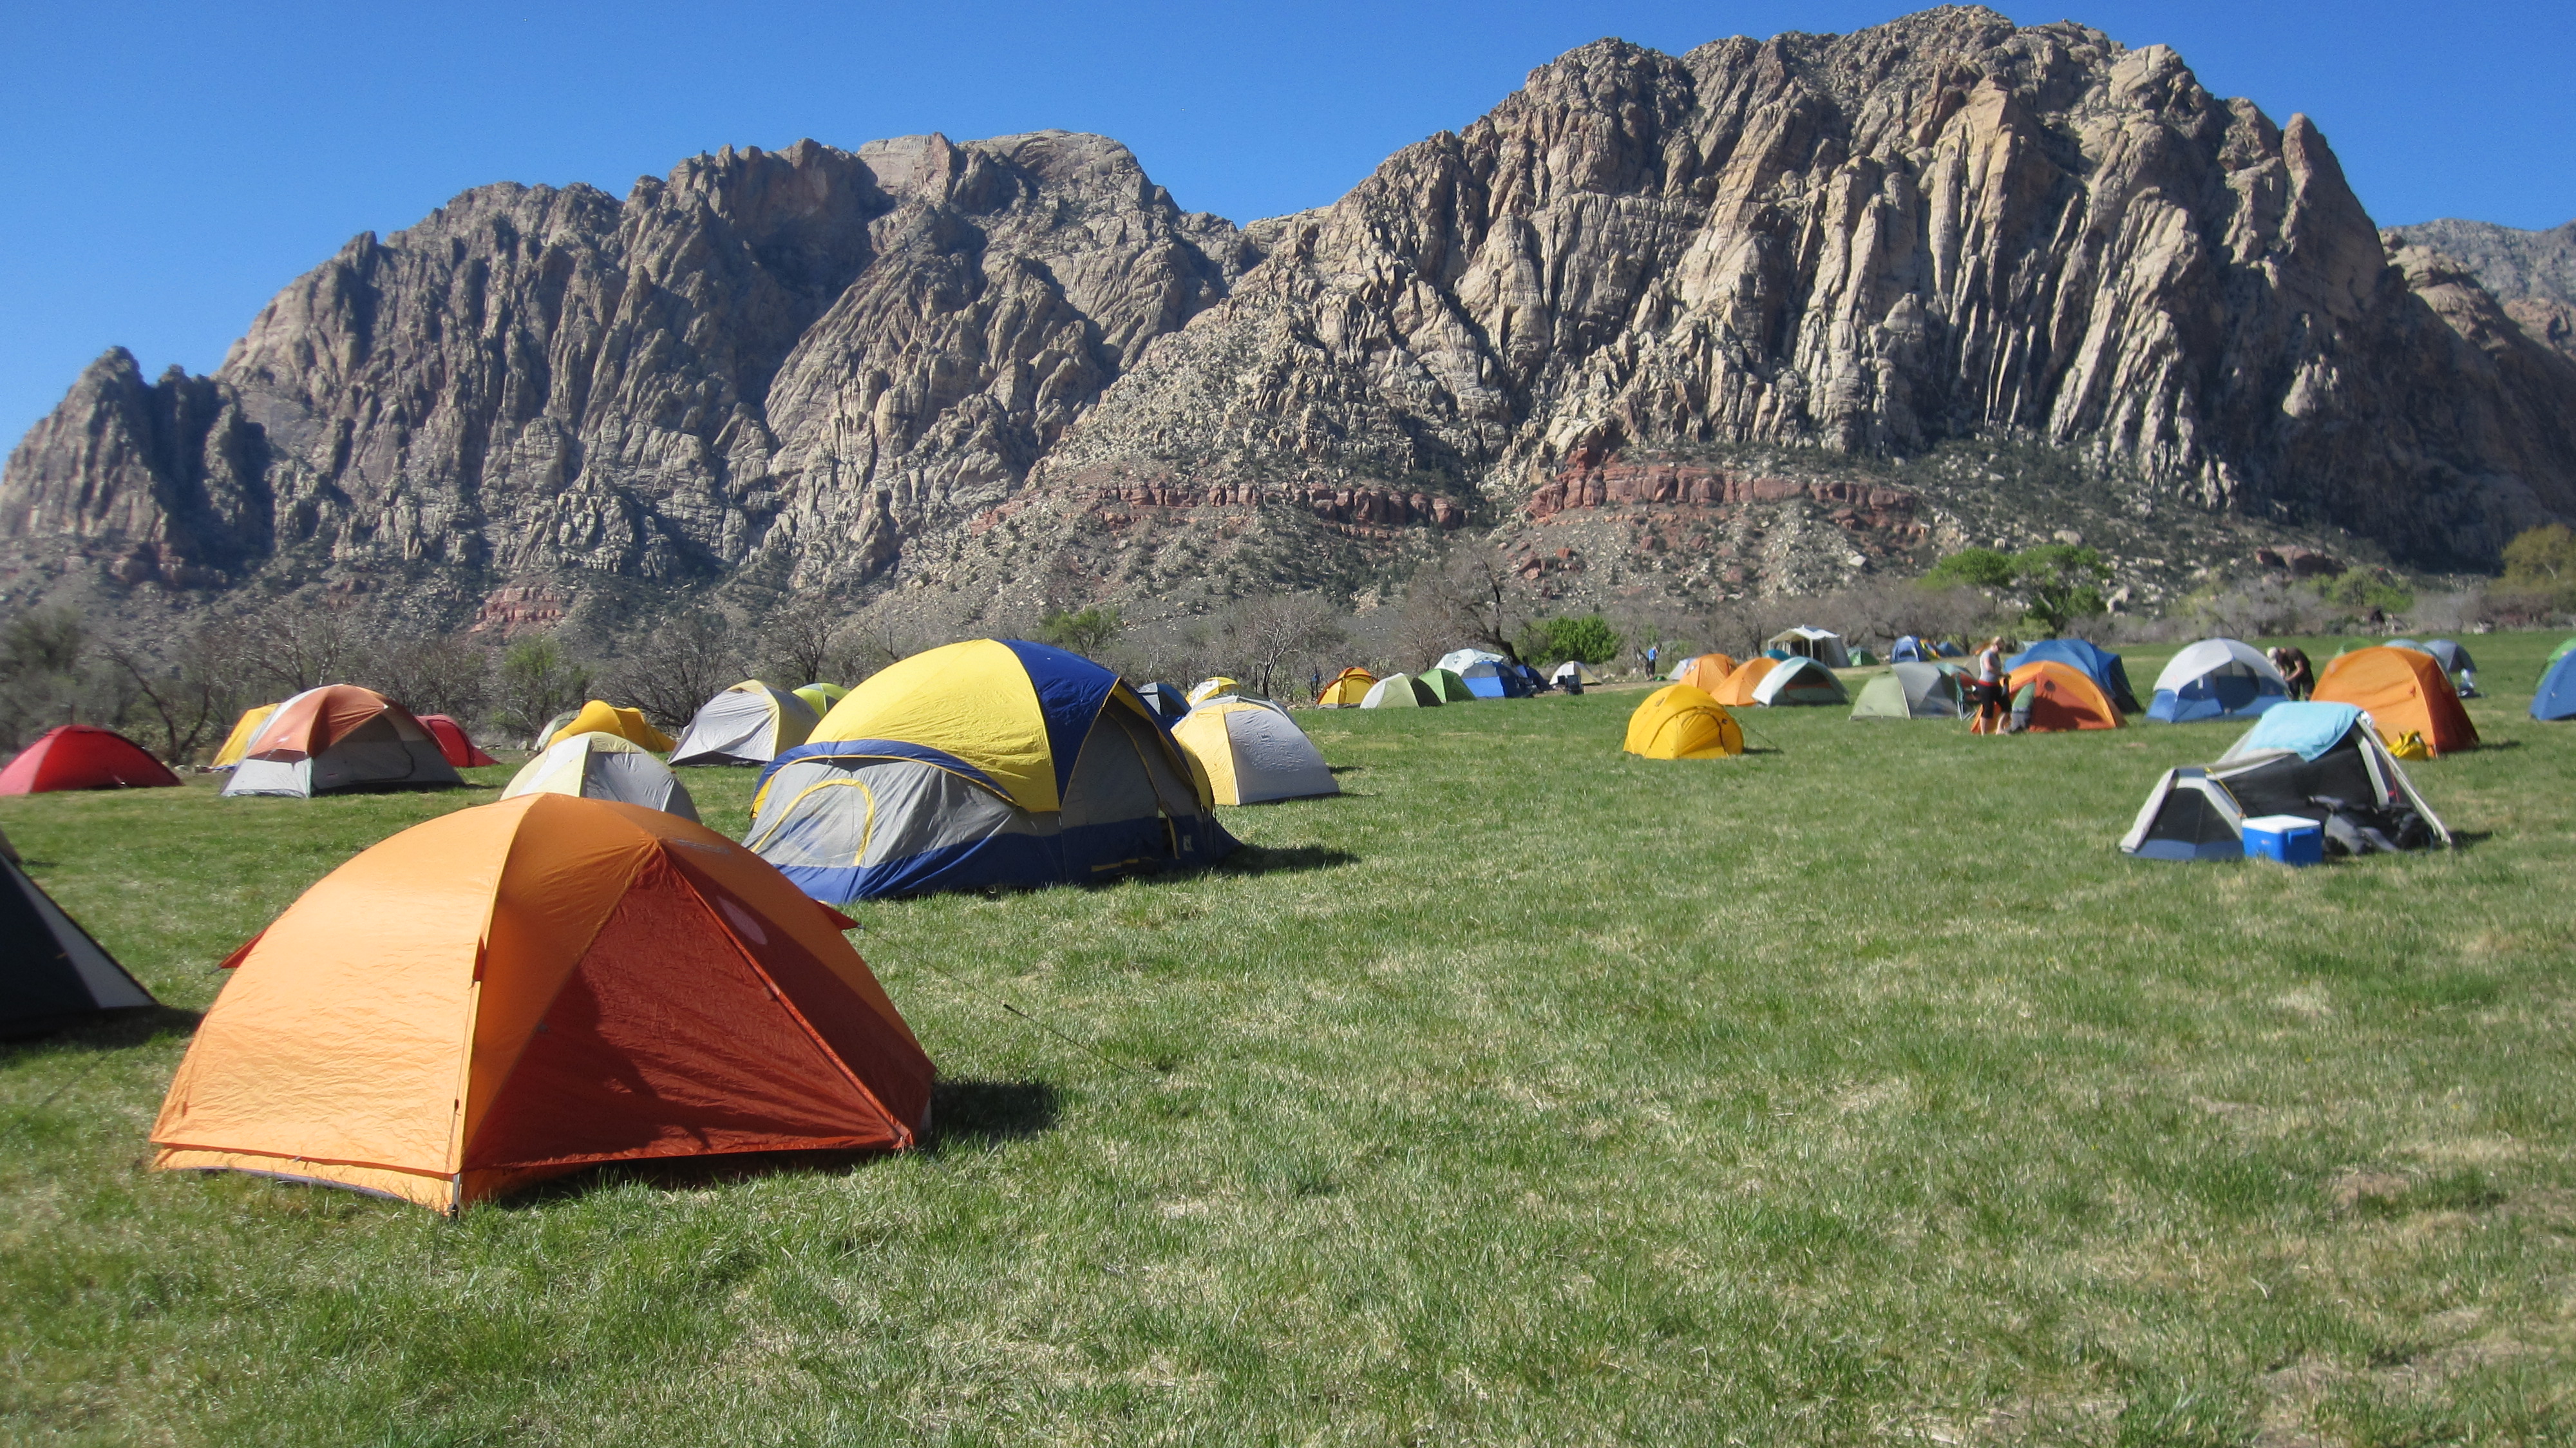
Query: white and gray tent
[1910,691]
[596,765]
[2216,679]
[2455,661]
[1799,680]
[1572,669]
[52,974]
[2295,759]
[750,723]
[1822,645]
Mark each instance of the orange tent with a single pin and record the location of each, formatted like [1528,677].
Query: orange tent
[2062,697]
[526,988]
[335,737]
[2401,690]
[1736,689]
[1705,672]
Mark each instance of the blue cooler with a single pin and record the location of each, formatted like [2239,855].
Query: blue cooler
[2290,839]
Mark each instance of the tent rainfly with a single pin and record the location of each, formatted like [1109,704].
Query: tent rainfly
[2296,755]
[1678,721]
[1822,645]
[2216,679]
[1166,701]
[1705,672]
[601,717]
[2050,697]
[52,975]
[1250,752]
[2404,691]
[454,744]
[986,763]
[1487,675]
[1209,688]
[2100,665]
[78,756]
[1446,683]
[1399,691]
[604,766]
[750,723]
[1911,691]
[340,737]
[820,697]
[245,729]
[1797,680]
[2556,698]
[523,989]
[1346,689]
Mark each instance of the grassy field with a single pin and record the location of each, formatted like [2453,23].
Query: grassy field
[1854,1090]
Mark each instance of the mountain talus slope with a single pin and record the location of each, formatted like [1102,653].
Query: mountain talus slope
[1624,305]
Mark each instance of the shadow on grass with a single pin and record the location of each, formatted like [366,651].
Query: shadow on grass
[1347,768]
[976,1113]
[962,1114]
[117,1031]
[1257,860]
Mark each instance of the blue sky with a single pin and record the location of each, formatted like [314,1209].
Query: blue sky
[167,168]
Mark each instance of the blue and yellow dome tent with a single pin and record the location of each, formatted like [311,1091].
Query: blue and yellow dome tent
[990,762]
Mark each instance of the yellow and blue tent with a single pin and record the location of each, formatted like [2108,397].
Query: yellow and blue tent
[990,762]
[821,697]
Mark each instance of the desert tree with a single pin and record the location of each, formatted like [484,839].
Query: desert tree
[683,662]
[1270,635]
[437,674]
[188,691]
[1087,632]
[805,641]
[536,679]
[300,642]
[1471,594]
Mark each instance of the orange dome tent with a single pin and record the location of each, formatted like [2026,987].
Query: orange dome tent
[2402,690]
[340,737]
[1705,672]
[523,989]
[1736,689]
[2062,697]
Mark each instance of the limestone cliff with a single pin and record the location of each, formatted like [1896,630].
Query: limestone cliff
[1641,323]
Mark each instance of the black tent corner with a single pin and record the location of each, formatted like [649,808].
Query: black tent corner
[52,975]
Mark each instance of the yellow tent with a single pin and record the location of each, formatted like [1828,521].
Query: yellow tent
[245,729]
[1346,690]
[600,717]
[1680,722]
[1206,689]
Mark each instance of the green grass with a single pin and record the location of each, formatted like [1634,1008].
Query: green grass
[1854,1090]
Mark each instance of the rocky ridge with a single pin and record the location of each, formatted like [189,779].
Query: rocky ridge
[1748,319]
[2533,273]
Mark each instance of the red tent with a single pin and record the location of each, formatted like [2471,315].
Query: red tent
[453,742]
[78,756]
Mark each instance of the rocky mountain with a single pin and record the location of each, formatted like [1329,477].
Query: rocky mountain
[1752,318]
[2532,272]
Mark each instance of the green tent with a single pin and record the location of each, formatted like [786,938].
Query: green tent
[1448,685]
[1399,691]
[1911,691]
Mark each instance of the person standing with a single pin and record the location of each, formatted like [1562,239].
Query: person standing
[1991,712]
[1650,661]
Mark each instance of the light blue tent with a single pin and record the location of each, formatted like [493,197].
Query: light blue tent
[1909,650]
[2557,696]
